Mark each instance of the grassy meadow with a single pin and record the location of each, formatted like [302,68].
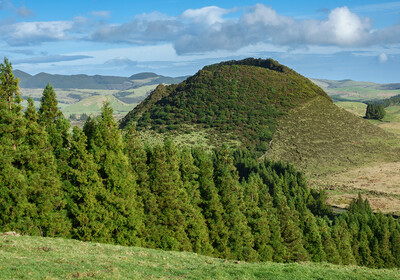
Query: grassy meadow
[29,257]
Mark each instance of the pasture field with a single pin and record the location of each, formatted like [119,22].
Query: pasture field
[29,257]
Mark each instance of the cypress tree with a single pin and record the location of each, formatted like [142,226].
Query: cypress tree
[312,236]
[342,238]
[90,218]
[167,224]
[44,186]
[56,125]
[211,205]
[257,217]
[328,243]
[31,198]
[197,229]
[226,178]
[106,145]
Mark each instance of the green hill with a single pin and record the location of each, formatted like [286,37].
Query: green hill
[82,81]
[25,257]
[232,101]
[265,106]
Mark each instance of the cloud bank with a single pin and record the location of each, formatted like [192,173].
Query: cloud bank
[211,28]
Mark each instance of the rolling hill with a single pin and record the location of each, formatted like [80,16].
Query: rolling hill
[349,90]
[82,81]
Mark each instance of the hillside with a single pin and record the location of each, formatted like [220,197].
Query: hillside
[82,81]
[25,257]
[232,101]
[270,108]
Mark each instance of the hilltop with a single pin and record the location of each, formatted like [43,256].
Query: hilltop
[250,103]
[235,101]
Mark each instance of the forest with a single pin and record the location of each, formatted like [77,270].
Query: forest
[103,184]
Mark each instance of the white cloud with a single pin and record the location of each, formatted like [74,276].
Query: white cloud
[51,59]
[120,61]
[207,15]
[28,33]
[210,29]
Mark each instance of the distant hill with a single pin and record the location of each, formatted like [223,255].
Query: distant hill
[349,90]
[92,82]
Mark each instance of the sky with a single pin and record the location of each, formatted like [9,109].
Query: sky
[358,40]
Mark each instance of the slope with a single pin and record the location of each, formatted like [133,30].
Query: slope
[26,257]
[232,101]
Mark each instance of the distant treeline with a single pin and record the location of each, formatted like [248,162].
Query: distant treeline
[101,184]
[391,101]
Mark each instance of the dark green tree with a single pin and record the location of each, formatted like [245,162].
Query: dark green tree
[31,199]
[197,229]
[328,243]
[125,209]
[342,238]
[226,178]
[257,216]
[374,111]
[211,205]
[56,126]
[90,217]
[166,222]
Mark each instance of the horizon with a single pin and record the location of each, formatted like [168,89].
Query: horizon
[335,40]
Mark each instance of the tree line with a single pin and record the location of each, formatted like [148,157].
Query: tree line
[102,184]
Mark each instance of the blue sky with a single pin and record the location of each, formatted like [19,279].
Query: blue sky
[357,40]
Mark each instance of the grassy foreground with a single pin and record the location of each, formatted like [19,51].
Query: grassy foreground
[26,257]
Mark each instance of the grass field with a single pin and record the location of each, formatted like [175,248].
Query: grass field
[357,108]
[25,257]
[89,101]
